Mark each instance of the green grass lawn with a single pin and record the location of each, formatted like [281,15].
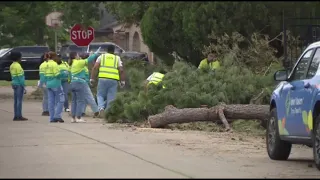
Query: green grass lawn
[28,83]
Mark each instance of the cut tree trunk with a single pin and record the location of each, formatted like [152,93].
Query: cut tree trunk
[220,112]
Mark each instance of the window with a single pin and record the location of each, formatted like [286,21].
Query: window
[302,66]
[31,51]
[314,64]
[95,47]
[117,50]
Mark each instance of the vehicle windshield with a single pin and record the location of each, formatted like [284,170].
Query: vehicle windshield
[31,51]
[95,47]
[3,51]
[77,48]
[65,50]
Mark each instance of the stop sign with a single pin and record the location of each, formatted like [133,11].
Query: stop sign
[80,36]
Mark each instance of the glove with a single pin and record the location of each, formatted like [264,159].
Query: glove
[91,82]
[122,84]
[24,91]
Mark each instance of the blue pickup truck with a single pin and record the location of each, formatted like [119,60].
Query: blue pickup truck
[295,107]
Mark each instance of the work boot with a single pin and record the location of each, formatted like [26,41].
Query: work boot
[45,113]
[96,114]
[22,119]
[60,120]
[83,114]
[66,110]
[54,121]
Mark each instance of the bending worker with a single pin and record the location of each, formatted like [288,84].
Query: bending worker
[210,62]
[110,72]
[155,78]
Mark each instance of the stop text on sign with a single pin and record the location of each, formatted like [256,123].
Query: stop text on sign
[82,34]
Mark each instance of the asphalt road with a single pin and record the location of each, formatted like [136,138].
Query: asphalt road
[38,149]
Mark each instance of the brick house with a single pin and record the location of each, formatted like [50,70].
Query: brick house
[126,36]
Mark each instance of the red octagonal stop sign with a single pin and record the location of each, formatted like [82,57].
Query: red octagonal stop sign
[80,36]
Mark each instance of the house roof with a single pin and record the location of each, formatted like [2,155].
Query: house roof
[109,25]
[107,20]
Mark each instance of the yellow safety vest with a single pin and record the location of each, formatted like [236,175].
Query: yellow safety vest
[52,69]
[109,67]
[156,78]
[42,67]
[212,65]
[17,74]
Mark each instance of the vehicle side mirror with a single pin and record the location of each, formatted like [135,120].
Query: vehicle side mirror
[281,75]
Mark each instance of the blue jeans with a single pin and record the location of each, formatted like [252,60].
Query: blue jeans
[55,100]
[78,99]
[106,92]
[18,91]
[45,107]
[65,86]
[89,99]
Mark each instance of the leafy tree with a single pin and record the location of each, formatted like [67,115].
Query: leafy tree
[23,23]
[128,12]
[183,28]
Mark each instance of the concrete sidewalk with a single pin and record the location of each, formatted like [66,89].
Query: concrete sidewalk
[38,149]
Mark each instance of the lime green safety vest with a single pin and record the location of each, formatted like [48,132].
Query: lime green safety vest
[52,75]
[65,67]
[42,67]
[52,69]
[212,65]
[156,78]
[17,74]
[109,67]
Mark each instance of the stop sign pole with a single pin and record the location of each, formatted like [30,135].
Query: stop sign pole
[80,36]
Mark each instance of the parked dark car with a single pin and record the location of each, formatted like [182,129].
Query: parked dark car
[31,60]
[67,48]
[134,55]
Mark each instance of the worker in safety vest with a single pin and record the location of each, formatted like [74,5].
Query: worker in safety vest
[89,98]
[210,62]
[78,84]
[53,77]
[18,85]
[65,71]
[110,72]
[155,78]
[41,84]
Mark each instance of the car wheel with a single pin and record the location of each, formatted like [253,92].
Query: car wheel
[277,148]
[316,142]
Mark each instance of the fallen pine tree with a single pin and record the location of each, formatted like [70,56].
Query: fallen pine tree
[222,112]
